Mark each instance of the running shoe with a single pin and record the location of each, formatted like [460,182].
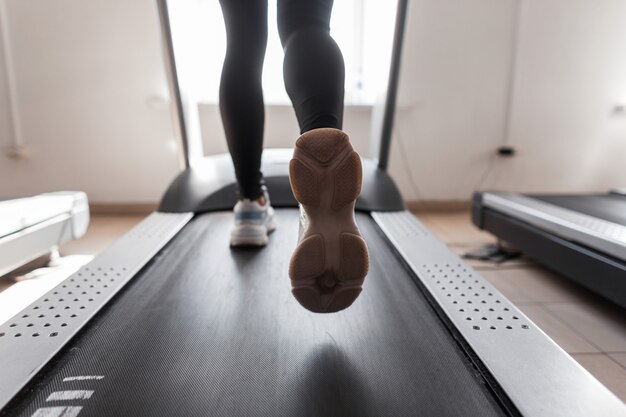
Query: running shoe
[330,262]
[253,222]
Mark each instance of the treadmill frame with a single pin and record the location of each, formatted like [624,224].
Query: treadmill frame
[537,376]
[576,245]
[60,217]
[194,191]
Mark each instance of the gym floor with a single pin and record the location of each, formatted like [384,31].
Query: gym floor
[590,329]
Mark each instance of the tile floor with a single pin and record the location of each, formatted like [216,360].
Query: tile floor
[590,329]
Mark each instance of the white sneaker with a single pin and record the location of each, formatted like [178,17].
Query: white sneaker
[253,222]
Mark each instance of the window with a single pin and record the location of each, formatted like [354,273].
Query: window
[362,28]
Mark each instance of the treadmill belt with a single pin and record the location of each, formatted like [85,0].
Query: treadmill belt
[609,207]
[205,330]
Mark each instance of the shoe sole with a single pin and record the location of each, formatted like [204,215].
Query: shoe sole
[251,235]
[329,265]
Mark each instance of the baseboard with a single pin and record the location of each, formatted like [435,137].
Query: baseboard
[122,208]
[439,205]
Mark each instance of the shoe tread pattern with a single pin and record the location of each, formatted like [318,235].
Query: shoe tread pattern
[303,183]
[307,260]
[321,145]
[354,257]
[326,175]
[347,181]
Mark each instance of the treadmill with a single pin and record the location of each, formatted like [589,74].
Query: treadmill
[582,237]
[34,226]
[170,321]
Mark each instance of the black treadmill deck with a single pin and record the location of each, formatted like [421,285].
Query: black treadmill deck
[609,207]
[206,330]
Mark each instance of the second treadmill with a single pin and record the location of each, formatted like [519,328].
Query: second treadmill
[582,237]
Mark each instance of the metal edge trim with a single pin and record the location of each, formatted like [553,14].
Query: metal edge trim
[52,221]
[21,358]
[539,377]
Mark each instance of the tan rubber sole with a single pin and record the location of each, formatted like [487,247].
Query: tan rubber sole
[331,260]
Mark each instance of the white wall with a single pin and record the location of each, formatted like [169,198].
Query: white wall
[91,84]
[453,95]
[570,72]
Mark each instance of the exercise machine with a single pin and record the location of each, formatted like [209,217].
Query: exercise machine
[582,237]
[35,226]
[171,321]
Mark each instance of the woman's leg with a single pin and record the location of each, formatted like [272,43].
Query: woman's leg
[241,94]
[313,67]
[330,262]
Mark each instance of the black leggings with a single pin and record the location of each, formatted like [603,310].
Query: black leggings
[313,72]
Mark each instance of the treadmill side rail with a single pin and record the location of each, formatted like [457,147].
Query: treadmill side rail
[30,227]
[33,337]
[590,231]
[537,375]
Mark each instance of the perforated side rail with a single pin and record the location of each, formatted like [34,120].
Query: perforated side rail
[31,338]
[590,231]
[537,375]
